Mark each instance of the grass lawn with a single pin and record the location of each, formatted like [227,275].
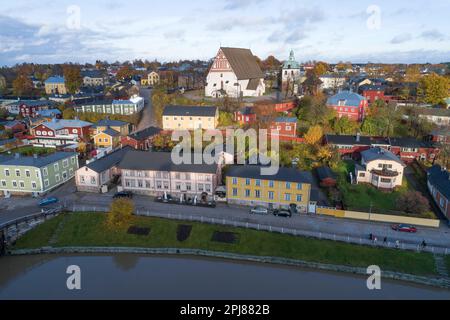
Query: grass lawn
[90,230]
[363,196]
[30,150]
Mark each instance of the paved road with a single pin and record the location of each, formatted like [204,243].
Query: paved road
[147,115]
[12,209]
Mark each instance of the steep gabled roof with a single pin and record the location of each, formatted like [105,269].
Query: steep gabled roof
[243,63]
[380,154]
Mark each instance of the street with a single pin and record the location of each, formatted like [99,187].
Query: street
[14,208]
[147,119]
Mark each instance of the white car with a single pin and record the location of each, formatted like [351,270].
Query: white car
[259,210]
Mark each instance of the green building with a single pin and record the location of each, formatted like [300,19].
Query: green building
[36,174]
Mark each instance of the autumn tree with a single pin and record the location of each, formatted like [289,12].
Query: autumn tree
[125,72]
[433,89]
[314,135]
[160,99]
[226,119]
[412,74]
[73,78]
[413,202]
[22,85]
[320,68]
[120,214]
[271,63]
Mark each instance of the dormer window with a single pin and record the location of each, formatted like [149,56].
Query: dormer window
[342,102]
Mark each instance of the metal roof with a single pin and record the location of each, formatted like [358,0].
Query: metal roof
[284,174]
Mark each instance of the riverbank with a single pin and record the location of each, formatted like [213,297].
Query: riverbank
[78,231]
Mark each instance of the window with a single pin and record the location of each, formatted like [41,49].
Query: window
[33,185]
[234,181]
[200,187]
[207,187]
[57,178]
[288,185]
[188,186]
[158,185]
[3,183]
[73,160]
[82,179]
[56,166]
[166,185]
[384,180]
[299,198]
[27,173]
[38,133]
[235,192]
[178,186]
[75,131]
[17,173]
[271,184]
[21,184]
[362,174]
[247,182]
[257,194]
[247,193]
[7,172]
[46,183]
[14,184]
[45,171]
[140,184]
[44,133]
[71,172]
[258,183]
[271,195]
[64,175]
[299,186]
[65,163]
[287,197]
[288,128]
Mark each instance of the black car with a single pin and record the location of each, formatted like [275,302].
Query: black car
[123,194]
[282,213]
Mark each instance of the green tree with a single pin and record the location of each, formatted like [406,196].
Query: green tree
[160,99]
[226,119]
[433,89]
[121,213]
[344,125]
[73,78]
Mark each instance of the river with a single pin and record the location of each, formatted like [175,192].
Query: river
[127,276]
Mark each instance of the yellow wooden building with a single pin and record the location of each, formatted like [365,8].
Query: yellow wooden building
[107,139]
[247,186]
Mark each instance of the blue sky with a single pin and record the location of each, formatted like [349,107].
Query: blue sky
[408,31]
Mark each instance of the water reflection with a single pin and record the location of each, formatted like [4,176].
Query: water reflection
[127,276]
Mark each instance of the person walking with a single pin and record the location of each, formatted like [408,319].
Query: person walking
[397,244]
[385,240]
[424,244]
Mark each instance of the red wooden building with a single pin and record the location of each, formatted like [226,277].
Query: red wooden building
[349,104]
[141,140]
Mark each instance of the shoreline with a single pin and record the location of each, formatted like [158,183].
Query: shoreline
[226,256]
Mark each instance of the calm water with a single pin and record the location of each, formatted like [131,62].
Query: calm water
[159,277]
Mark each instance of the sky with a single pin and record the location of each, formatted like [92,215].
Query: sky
[57,31]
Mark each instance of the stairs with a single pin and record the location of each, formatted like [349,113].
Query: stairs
[441,266]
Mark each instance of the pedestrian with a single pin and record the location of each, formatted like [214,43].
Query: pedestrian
[397,244]
[385,240]
[370,236]
[424,244]
[375,239]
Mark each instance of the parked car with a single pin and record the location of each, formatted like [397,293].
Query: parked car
[123,194]
[48,201]
[282,213]
[259,210]
[404,228]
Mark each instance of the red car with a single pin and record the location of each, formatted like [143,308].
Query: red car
[404,228]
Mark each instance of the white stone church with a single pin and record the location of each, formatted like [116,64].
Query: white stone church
[235,73]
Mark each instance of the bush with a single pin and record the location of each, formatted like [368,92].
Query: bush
[413,202]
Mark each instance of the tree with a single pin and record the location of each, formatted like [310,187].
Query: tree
[226,119]
[344,125]
[444,156]
[314,135]
[160,99]
[320,68]
[413,202]
[125,72]
[434,89]
[73,78]
[271,63]
[22,85]
[412,73]
[120,214]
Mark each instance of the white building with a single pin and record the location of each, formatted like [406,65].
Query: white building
[332,81]
[123,107]
[380,168]
[235,72]
[291,74]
